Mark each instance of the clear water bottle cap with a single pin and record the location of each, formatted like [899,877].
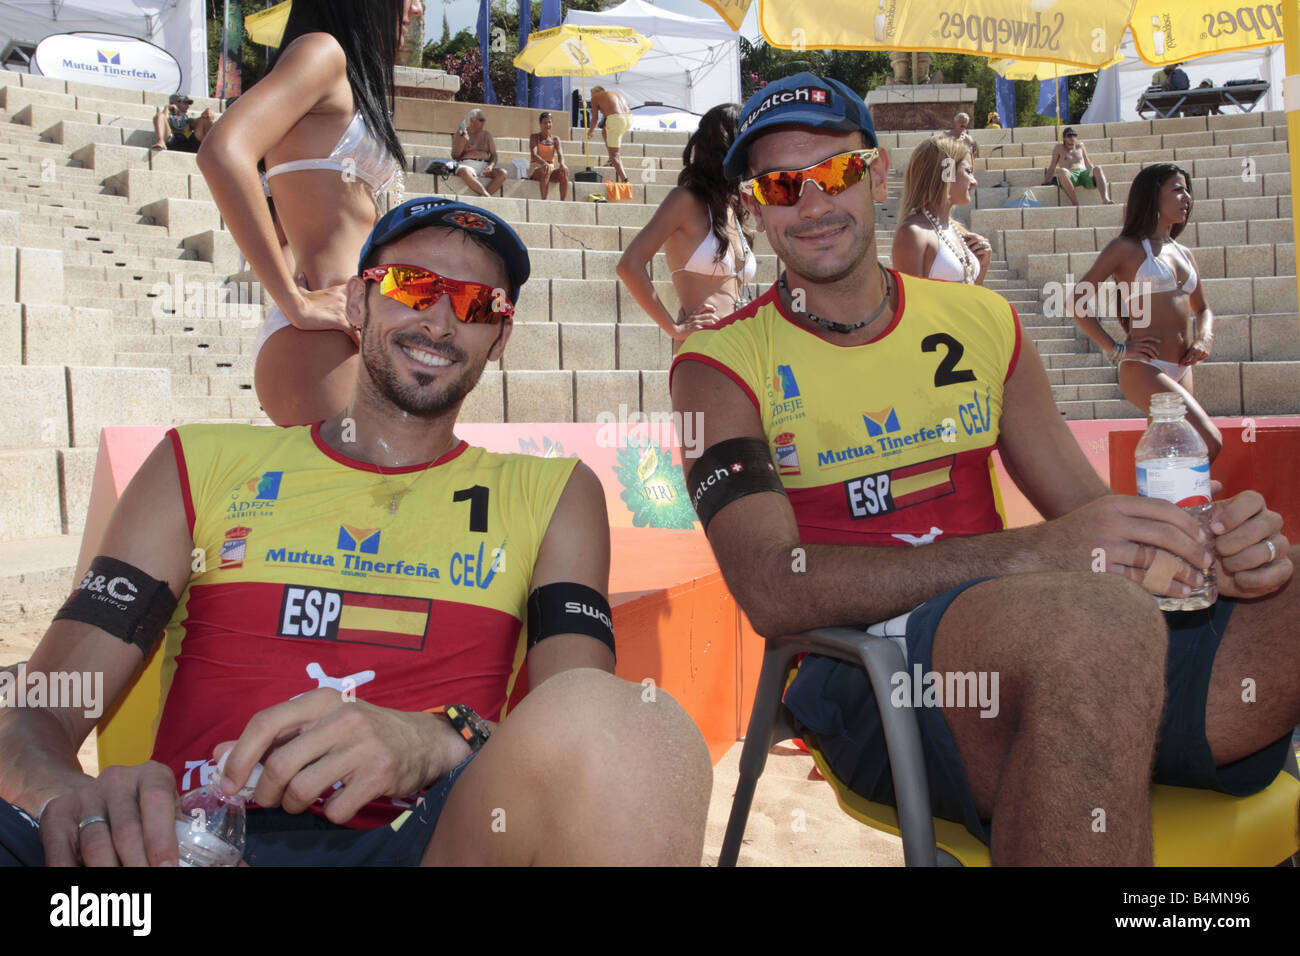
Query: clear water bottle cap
[246,791]
[1167,405]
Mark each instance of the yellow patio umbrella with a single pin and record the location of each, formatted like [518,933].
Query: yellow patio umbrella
[266,27]
[580,51]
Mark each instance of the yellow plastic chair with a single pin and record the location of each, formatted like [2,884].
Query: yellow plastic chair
[1190,827]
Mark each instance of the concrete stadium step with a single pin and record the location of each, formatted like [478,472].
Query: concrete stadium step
[36,577]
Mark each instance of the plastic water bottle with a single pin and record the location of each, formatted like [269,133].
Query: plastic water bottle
[1174,464]
[211,826]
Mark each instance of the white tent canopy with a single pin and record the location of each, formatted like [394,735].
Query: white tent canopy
[1120,86]
[694,64]
[178,26]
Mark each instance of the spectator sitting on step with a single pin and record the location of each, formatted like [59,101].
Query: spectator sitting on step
[1071,167]
[476,151]
[960,124]
[186,131]
[928,243]
[995,121]
[546,158]
[709,254]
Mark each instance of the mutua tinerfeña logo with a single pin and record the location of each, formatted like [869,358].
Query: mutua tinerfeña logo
[107,63]
[355,542]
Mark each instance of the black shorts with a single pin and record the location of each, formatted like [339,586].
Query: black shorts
[184,144]
[277,838]
[833,702]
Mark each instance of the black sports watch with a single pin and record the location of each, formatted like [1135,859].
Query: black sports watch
[467,723]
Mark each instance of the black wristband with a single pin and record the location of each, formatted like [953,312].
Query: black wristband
[729,470]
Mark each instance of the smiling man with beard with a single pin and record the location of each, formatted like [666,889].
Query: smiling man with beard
[374,544]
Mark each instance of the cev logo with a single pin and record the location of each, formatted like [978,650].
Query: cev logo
[467,568]
[974,419]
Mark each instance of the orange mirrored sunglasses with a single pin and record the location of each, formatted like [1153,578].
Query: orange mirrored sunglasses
[783,187]
[418,288]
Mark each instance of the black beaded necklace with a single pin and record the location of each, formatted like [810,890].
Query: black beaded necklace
[839,326]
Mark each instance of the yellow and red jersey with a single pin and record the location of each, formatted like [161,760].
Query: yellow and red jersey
[885,443]
[302,578]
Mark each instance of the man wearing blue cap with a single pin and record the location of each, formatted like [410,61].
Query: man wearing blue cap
[349,604]
[850,415]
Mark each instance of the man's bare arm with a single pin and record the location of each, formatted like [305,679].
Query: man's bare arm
[38,746]
[575,550]
[755,537]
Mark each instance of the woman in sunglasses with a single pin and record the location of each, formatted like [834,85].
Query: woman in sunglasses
[700,227]
[320,120]
[929,243]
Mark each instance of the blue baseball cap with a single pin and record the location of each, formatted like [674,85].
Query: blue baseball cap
[450,214]
[804,99]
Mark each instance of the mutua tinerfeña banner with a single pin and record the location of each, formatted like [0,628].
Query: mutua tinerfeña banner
[108,60]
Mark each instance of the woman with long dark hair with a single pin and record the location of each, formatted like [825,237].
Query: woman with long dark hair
[928,242]
[700,225]
[1167,323]
[321,122]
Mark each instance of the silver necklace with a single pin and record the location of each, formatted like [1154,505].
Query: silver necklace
[968,273]
[839,326]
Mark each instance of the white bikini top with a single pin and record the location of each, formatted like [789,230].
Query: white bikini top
[947,267]
[358,152]
[1160,274]
[705,262]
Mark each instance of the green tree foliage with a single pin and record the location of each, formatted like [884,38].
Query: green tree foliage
[252,58]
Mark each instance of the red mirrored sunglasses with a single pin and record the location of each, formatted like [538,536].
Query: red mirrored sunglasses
[418,288]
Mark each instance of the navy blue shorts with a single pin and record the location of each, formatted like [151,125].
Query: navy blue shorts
[832,701]
[277,838]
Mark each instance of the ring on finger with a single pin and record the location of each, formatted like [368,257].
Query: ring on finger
[89,820]
[1272,550]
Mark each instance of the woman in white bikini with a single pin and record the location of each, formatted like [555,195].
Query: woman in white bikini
[700,227]
[1169,327]
[928,242]
[320,120]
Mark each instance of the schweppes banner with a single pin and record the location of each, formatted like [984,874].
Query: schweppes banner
[1083,33]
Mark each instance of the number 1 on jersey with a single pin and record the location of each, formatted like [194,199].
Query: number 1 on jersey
[478,506]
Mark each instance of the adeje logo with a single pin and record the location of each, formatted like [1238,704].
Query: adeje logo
[785,381]
[364,540]
[234,547]
[110,56]
[267,487]
[881,422]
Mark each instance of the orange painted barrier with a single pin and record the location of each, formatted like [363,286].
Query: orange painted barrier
[678,626]
[1261,456]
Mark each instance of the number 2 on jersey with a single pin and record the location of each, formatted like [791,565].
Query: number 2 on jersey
[947,373]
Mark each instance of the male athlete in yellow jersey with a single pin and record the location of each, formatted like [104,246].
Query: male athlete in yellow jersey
[849,415]
[371,588]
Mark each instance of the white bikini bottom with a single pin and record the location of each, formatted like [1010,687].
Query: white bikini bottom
[274,322]
[1172,369]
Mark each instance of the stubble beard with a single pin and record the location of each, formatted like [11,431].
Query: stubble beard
[416,399]
[820,269]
